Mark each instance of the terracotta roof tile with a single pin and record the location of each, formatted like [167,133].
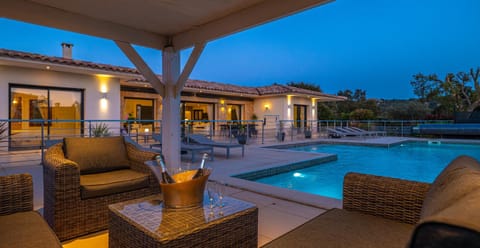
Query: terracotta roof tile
[64,61]
[192,84]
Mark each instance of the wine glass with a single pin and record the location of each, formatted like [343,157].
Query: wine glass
[211,190]
[220,189]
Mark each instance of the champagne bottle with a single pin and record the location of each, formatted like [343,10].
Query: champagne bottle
[166,178]
[200,171]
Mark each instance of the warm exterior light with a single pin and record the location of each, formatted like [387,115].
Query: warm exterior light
[103,104]
[267,107]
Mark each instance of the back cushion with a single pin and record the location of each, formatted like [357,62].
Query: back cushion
[459,178]
[94,155]
[450,215]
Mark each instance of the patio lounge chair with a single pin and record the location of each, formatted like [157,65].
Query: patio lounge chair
[369,132]
[361,131]
[200,139]
[184,148]
[389,212]
[350,132]
[338,133]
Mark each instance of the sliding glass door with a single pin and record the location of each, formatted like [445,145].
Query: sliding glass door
[48,111]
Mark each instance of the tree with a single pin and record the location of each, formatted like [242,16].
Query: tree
[426,87]
[303,85]
[362,114]
[405,110]
[355,100]
[458,91]
[324,112]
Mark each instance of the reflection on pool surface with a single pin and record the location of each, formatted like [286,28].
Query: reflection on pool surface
[418,161]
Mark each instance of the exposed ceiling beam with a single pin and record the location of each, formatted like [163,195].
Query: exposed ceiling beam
[142,66]
[266,11]
[56,18]
[187,70]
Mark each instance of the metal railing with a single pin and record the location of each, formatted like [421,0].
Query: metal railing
[35,134]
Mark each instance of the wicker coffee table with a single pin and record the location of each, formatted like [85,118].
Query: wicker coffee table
[145,223]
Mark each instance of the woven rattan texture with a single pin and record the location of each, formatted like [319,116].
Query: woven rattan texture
[391,198]
[16,193]
[141,224]
[65,211]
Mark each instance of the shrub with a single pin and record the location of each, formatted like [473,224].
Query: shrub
[100,130]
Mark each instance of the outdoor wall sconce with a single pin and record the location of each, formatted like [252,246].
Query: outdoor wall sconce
[267,107]
[104,96]
[288,106]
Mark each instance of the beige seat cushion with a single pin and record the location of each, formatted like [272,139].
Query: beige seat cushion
[26,229]
[344,229]
[94,155]
[112,182]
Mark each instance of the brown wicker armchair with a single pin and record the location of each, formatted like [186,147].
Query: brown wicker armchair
[389,212]
[20,226]
[82,176]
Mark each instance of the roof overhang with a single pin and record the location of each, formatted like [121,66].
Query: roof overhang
[70,67]
[155,24]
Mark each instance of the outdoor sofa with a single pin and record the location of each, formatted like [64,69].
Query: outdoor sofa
[20,225]
[387,212]
[82,176]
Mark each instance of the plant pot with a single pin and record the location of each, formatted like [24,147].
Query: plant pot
[308,134]
[242,139]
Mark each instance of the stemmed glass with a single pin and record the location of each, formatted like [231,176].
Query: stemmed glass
[221,193]
[211,190]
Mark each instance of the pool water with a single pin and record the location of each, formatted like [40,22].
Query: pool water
[413,161]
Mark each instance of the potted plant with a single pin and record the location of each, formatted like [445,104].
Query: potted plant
[241,136]
[308,132]
[100,130]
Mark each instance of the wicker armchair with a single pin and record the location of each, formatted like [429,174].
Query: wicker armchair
[20,226]
[16,194]
[388,212]
[67,208]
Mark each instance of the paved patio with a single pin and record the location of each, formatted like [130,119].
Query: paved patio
[280,210]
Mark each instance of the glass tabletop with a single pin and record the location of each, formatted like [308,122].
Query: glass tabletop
[149,215]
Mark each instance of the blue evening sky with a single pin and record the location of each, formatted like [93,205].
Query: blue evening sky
[375,45]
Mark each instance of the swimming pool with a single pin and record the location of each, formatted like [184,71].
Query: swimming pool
[418,161]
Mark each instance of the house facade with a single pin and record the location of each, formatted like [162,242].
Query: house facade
[58,94]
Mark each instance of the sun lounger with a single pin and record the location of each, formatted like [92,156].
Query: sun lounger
[184,148]
[200,139]
[371,132]
[333,133]
[349,132]
[360,131]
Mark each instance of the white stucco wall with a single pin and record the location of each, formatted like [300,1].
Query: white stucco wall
[93,85]
[303,101]
[276,106]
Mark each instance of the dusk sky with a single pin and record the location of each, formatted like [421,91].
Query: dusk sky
[375,45]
